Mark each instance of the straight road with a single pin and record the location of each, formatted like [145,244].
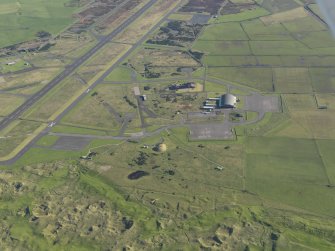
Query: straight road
[71,68]
[98,81]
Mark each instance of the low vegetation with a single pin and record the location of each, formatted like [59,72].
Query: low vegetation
[122,170]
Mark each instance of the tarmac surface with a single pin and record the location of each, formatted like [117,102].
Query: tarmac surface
[216,131]
[262,104]
[70,143]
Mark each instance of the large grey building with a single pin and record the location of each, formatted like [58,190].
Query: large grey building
[227,101]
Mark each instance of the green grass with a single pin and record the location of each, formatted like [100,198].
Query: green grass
[294,49]
[134,210]
[275,7]
[19,65]
[323,80]
[229,31]
[29,82]
[221,48]
[230,61]
[250,116]
[301,241]
[275,176]
[9,103]
[21,21]
[326,151]
[23,232]
[55,99]
[288,171]
[40,155]
[96,143]
[214,87]
[48,140]
[181,17]
[91,113]
[312,39]
[292,80]
[15,135]
[63,188]
[296,102]
[120,74]
[257,30]
[77,130]
[287,47]
[256,78]
[244,15]
[307,24]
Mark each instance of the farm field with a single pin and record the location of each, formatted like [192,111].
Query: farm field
[268,43]
[20,21]
[297,176]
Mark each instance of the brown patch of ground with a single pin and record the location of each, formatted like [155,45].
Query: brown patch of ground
[234,8]
[208,6]
[176,33]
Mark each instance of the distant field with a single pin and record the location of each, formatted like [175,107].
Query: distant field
[278,6]
[225,31]
[285,52]
[19,21]
[290,171]
[292,80]
[245,15]
[257,78]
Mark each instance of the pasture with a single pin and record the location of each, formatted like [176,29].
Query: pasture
[323,79]
[20,21]
[222,48]
[299,102]
[289,171]
[292,80]
[225,31]
[257,51]
[247,14]
[257,78]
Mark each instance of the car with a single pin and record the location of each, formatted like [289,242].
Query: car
[51,124]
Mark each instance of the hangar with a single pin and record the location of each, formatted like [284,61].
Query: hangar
[227,101]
